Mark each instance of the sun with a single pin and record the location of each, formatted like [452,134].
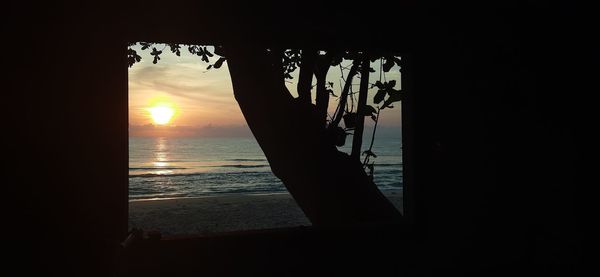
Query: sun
[161,114]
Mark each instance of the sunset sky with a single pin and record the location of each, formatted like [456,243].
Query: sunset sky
[179,97]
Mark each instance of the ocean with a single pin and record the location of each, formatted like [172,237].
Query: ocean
[167,168]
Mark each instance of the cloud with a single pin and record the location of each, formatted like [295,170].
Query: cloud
[202,95]
[193,92]
[183,81]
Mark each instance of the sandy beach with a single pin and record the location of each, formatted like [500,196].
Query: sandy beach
[216,214]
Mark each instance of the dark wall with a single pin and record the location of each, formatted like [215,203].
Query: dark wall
[70,147]
[497,109]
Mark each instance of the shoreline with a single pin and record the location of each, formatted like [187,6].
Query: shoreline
[386,192]
[211,214]
[225,194]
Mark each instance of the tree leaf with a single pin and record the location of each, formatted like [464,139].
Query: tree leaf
[369,110]
[156,55]
[208,53]
[394,96]
[155,52]
[390,84]
[389,63]
[397,60]
[192,49]
[338,134]
[132,57]
[145,45]
[175,48]
[349,120]
[336,60]
[219,62]
[379,96]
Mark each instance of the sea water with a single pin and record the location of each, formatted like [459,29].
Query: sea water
[163,168]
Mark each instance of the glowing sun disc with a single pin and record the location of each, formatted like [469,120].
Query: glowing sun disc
[161,114]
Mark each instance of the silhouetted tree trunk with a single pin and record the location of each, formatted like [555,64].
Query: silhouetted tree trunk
[360,111]
[331,188]
[305,76]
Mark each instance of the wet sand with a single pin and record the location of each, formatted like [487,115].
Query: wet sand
[216,214]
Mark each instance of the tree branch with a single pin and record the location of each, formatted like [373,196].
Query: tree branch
[323,63]
[372,136]
[344,96]
[307,69]
[362,102]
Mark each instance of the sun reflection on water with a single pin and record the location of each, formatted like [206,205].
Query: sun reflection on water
[161,153]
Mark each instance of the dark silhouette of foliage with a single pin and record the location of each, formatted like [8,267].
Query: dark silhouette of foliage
[387,89]
[291,60]
[312,63]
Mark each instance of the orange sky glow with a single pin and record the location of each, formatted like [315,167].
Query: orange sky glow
[200,102]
